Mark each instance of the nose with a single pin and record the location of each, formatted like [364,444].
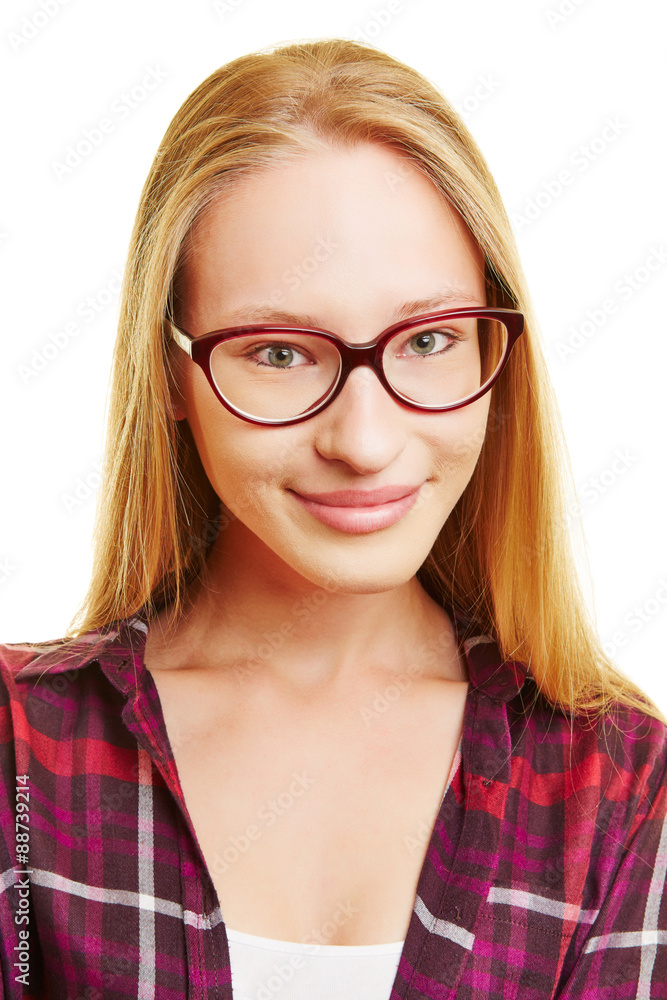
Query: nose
[364,426]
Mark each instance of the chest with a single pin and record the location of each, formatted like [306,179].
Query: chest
[314,820]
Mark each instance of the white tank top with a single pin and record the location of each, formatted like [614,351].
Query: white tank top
[288,970]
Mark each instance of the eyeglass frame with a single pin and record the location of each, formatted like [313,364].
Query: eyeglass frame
[199,349]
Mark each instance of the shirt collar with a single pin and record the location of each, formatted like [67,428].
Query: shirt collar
[118,648]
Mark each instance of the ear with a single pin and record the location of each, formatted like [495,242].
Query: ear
[177,412]
[178,404]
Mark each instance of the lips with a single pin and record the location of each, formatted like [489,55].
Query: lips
[358,511]
[360,498]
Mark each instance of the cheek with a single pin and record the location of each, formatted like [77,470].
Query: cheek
[242,461]
[459,438]
[220,437]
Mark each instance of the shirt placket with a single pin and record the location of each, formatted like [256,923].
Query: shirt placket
[462,905]
[206,961]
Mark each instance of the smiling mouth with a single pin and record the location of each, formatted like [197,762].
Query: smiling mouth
[358,518]
[361,498]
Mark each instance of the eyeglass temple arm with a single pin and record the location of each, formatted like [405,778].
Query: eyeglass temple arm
[180,338]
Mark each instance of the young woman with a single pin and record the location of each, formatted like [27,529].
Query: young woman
[333,720]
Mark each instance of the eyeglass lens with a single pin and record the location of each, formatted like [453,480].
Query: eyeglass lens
[275,375]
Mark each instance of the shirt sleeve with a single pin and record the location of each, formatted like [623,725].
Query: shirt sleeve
[15,924]
[624,953]
[7,877]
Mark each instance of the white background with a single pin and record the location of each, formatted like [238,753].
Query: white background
[538,83]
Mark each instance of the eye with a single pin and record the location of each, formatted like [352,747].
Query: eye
[279,355]
[429,342]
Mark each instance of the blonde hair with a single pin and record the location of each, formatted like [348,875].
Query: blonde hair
[504,556]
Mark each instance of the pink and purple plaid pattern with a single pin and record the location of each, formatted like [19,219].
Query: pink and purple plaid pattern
[544,877]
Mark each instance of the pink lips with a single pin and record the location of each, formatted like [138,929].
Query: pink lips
[357,511]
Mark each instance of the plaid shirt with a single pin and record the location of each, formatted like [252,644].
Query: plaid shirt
[544,875]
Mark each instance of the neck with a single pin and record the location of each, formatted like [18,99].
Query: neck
[262,620]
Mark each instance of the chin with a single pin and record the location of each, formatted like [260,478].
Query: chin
[356,577]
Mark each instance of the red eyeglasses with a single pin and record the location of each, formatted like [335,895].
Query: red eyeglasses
[282,374]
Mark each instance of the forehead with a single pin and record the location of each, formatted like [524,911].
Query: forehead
[360,225]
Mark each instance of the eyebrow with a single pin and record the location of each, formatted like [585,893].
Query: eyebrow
[412,307]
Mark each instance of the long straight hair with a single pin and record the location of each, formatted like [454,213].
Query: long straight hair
[504,558]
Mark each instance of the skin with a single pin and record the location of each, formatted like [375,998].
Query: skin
[307,650]
[392,238]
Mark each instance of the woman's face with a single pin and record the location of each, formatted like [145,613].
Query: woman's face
[341,240]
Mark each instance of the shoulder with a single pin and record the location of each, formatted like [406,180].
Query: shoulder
[26,690]
[14,657]
[38,675]
[22,664]
[618,757]
[610,770]
[623,755]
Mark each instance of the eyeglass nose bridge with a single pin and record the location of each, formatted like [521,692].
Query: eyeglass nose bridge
[353,356]
[360,355]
